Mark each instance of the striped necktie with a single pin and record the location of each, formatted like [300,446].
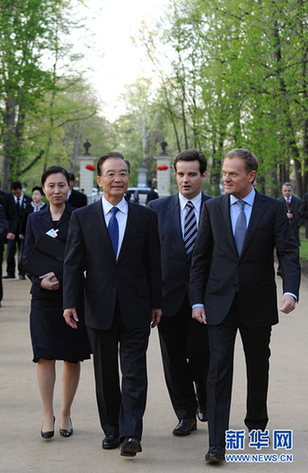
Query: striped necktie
[190,227]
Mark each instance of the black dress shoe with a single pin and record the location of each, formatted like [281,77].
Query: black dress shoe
[9,276]
[130,446]
[67,432]
[110,442]
[216,454]
[50,433]
[185,426]
[201,414]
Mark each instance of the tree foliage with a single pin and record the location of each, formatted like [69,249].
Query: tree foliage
[44,102]
[238,79]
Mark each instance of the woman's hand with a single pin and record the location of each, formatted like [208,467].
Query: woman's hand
[50,282]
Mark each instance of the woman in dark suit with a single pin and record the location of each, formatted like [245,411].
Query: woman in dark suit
[51,338]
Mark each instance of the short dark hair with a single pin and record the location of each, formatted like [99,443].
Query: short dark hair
[72,176]
[251,162]
[113,154]
[287,184]
[16,185]
[192,155]
[55,170]
[38,188]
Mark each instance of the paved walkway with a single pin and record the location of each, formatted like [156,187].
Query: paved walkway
[22,449]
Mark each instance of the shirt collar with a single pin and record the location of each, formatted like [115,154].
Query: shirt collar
[20,198]
[107,206]
[196,201]
[249,199]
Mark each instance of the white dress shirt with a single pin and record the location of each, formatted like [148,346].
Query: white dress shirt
[196,201]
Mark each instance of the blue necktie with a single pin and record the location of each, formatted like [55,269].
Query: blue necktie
[240,227]
[113,229]
[190,228]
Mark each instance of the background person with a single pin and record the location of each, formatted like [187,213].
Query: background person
[13,221]
[75,199]
[184,343]
[152,195]
[233,288]
[35,206]
[292,205]
[51,338]
[116,242]
[20,201]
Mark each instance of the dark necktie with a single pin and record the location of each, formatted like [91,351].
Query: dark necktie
[288,204]
[17,205]
[113,229]
[240,227]
[190,228]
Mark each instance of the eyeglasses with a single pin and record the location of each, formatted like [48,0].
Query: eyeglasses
[112,175]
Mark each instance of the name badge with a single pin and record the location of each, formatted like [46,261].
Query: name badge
[53,233]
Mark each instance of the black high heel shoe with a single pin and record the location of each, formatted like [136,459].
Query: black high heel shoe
[50,433]
[67,432]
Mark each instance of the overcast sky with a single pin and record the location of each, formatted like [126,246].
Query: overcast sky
[114,58]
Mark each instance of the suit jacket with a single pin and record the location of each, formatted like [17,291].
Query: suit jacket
[296,222]
[218,272]
[303,212]
[134,279]
[41,222]
[10,211]
[4,226]
[28,211]
[175,262]
[77,199]
[20,209]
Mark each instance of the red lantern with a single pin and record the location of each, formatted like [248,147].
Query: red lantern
[90,167]
[162,167]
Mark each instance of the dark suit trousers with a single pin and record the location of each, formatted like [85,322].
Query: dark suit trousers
[11,250]
[1,261]
[120,412]
[185,355]
[256,349]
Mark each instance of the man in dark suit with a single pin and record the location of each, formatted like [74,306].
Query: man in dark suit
[12,219]
[152,195]
[292,205]
[116,242]
[75,199]
[233,288]
[20,201]
[184,343]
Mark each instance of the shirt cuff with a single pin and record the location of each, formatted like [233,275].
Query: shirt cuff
[290,294]
[197,305]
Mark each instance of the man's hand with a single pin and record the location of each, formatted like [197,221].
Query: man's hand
[287,304]
[156,316]
[50,282]
[198,313]
[289,215]
[10,236]
[71,317]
